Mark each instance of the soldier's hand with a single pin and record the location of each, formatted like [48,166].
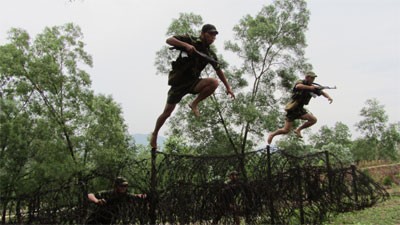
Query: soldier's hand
[101,202]
[230,92]
[141,195]
[190,48]
[316,88]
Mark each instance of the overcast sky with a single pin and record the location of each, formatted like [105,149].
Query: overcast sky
[353,44]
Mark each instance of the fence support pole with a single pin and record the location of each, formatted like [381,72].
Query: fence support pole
[153,187]
[355,189]
[269,180]
[300,193]
[329,174]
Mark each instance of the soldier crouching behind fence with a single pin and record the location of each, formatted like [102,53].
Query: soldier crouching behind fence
[110,203]
[228,204]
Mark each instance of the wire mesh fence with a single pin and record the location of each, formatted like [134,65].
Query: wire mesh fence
[272,187]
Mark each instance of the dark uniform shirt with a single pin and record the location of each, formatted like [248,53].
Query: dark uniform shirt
[186,69]
[295,108]
[115,204]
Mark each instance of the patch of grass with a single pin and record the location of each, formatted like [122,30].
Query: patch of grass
[383,213]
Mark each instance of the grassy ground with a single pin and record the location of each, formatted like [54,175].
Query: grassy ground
[387,212]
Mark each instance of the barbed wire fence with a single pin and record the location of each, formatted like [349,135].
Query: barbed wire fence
[274,187]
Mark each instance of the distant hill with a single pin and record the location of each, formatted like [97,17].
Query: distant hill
[142,139]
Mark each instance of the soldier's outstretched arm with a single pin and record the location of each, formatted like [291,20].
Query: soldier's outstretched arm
[327,96]
[222,77]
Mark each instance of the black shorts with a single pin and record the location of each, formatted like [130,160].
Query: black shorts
[296,113]
[176,93]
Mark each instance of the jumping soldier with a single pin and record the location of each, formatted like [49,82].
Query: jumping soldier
[184,78]
[302,93]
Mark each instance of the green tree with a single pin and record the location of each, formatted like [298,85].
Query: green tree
[342,154]
[336,140]
[54,130]
[271,48]
[375,119]
[380,140]
[38,98]
[294,145]
[107,142]
[16,139]
[339,134]
[390,142]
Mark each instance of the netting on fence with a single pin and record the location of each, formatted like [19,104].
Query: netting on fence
[273,187]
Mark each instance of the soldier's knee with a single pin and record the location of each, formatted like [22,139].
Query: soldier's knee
[285,131]
[214,83]
[313,120]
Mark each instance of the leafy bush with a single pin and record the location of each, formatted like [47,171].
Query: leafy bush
[387,181]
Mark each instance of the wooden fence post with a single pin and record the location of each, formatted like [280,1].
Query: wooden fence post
[153,187]
[329,174]
[269,180]
[355,189]
[300,193]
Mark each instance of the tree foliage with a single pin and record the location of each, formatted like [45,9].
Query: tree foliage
[336,140]
[381,140]
[54,129]
[375,119]
[340,134]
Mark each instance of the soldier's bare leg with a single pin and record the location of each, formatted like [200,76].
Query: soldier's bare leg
[205,88]
[311,120]
[169,108]
[286,128]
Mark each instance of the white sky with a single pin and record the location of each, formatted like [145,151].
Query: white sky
[353,44]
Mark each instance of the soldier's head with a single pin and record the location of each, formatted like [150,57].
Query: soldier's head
[310,76]
[233,175]
[208,33]
[120,184]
